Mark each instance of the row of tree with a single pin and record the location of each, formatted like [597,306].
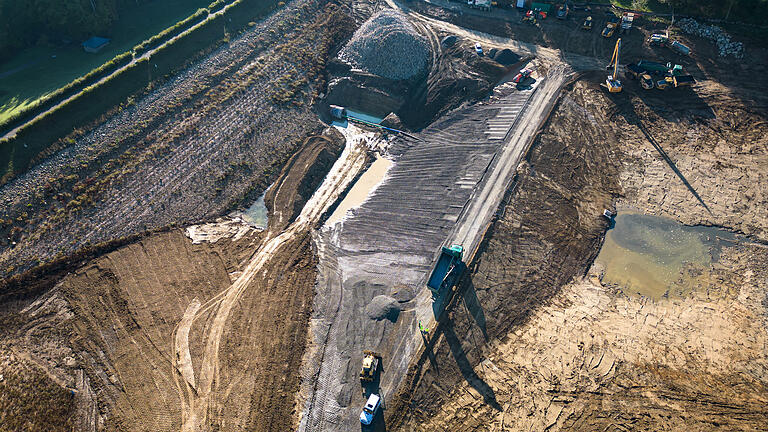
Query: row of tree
[748,11]
[28,22]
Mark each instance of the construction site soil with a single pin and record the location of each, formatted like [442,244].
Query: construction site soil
[537,342]
[224,327]
[191,149]
[104,330]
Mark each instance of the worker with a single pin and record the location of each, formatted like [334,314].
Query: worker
[424,330]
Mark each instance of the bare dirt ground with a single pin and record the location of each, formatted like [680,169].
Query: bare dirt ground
[133,332]
[534,345]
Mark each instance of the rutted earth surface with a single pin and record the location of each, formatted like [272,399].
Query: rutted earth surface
[223,327]
[593,358]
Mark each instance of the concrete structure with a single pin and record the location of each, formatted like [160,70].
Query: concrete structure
[95,44]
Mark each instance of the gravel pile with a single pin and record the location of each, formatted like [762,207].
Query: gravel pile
[725,46]
[388,45]
[449,41]
[506,57]
[383,307]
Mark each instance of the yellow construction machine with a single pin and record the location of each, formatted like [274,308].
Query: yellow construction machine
[612,83]
[370,366]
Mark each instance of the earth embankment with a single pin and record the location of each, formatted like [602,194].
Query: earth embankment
[532,344]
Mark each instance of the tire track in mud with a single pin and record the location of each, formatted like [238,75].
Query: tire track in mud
[197,400]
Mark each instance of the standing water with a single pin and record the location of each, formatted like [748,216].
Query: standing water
[256,215]
[658,257]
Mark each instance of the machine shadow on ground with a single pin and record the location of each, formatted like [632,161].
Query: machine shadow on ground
[467,371]
[632,117]
[474,308]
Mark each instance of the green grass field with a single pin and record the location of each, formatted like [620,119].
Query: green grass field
[36,72]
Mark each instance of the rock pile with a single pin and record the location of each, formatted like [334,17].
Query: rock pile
[388,45]
[725,46]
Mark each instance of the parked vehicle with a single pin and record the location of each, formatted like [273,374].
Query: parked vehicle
[562,12]
[587,24]
[478,49]
[680,48]
[658,39]
[370,409]
[626,22]
[522,76]
[609,29]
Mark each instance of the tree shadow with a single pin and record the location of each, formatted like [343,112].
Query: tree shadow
[472,303]
[467,371]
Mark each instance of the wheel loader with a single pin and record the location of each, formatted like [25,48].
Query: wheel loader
[371,362]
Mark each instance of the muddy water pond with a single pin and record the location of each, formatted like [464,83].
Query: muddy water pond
[362,188]
[658,257]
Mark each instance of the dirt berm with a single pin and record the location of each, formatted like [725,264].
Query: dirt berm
[106,330]
[300,178]
[536,341]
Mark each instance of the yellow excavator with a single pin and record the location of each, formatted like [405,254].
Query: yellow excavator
[612,83]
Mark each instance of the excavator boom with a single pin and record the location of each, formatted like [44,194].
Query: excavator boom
[612,83]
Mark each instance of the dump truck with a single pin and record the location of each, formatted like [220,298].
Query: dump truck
[657,68]
[634,71]
[447,270]
[675,81]
[371,361]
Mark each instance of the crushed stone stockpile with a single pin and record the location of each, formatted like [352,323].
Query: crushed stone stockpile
[388,45]
[725,46]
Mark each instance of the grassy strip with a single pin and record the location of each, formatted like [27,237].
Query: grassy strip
[38,139]
[170,33]
[62,93]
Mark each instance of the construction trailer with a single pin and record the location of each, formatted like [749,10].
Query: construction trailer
[447,270]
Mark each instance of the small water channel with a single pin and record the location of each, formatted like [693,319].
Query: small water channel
[658,257]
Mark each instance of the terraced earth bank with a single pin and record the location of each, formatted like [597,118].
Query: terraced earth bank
[189,150]
[538,342]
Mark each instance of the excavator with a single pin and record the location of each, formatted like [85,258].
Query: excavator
[612,83]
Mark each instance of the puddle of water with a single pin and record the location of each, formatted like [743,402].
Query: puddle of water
[362,188]
[658,257]
[256,215]
[360,115]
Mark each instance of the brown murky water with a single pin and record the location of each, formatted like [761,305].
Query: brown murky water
[658,257]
